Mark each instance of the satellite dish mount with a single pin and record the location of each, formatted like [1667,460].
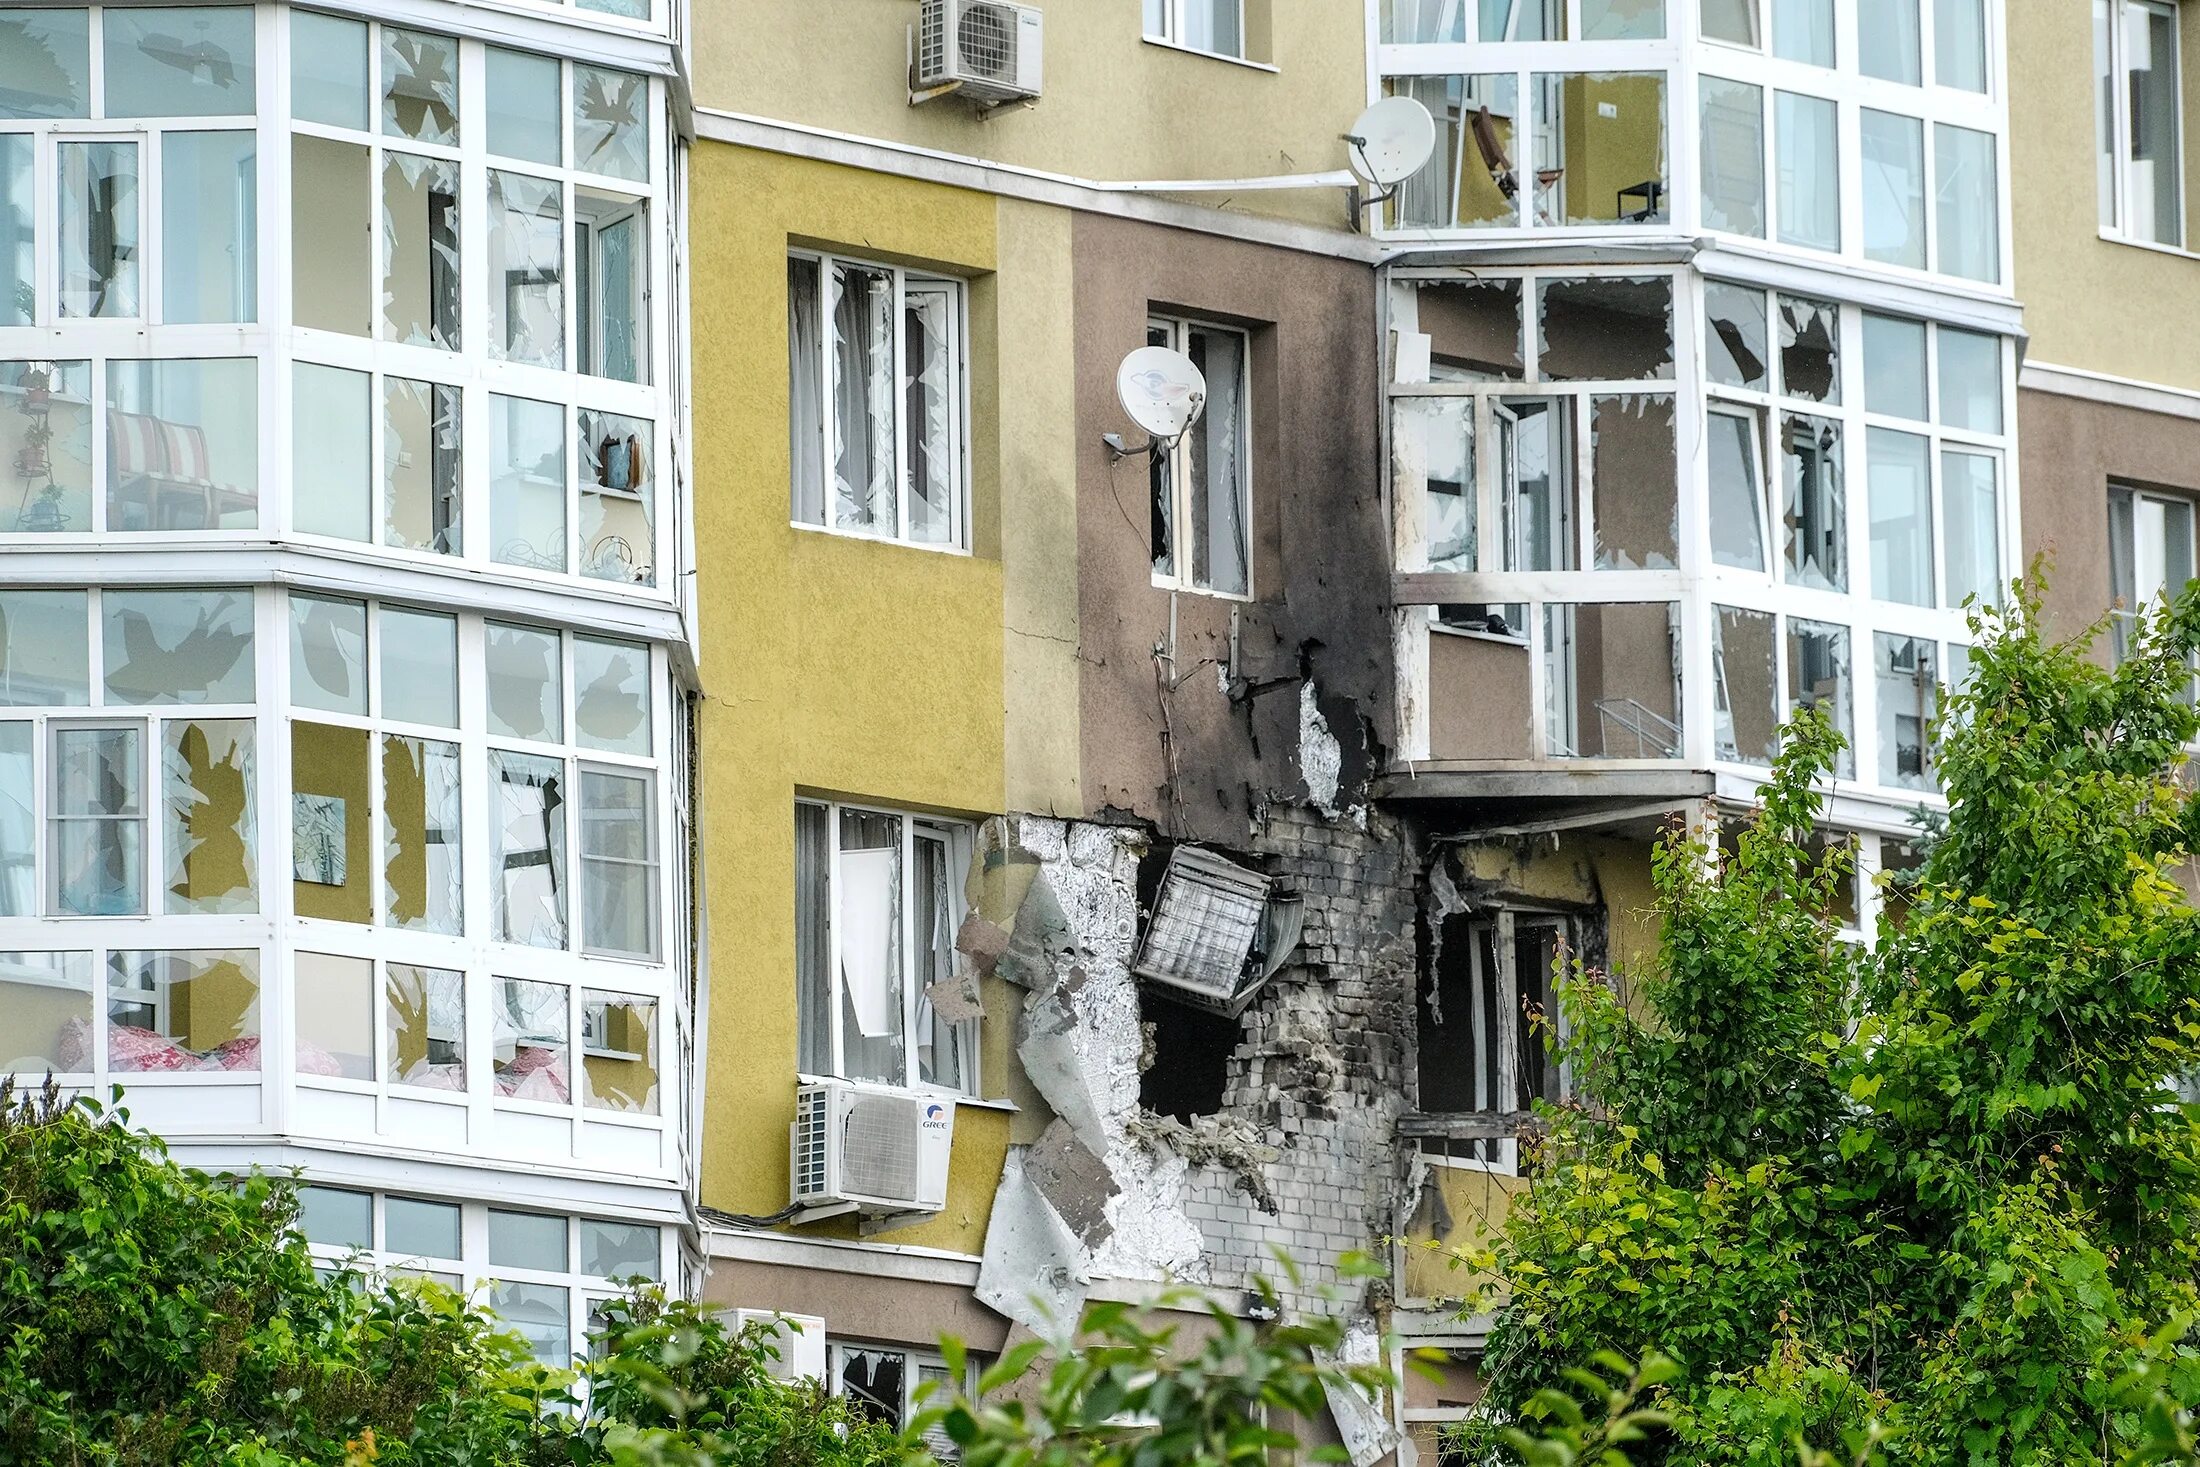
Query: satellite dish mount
[1163,392]
[1389,144]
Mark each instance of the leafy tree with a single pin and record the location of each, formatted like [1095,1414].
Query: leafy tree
[150,1314]
[1938,1201]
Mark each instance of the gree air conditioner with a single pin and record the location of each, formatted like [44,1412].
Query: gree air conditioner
[984,50]
[881,1149]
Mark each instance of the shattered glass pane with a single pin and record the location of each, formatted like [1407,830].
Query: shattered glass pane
[1734,335]
[48,1000]
[618,510]
[209,835]
[526,683]
[619,1056]
[527,259]
[183,444]
[421,488]
[334,998]
[527,848]
[1746,701]
[611,695]
[861,311]
[1474,328]
[943,1056]
[419,86]
[328,654]
[1636,482]
[1907,694]
[1472,179]
[928,438]
[420,262]
[611,287]
[1612,681]
[612,1250]
[98,187]
[1600,148]
[531,1027]
[1818,677]
[421,870]
[171,1012]
[1810,349]
[425,1040]
[610,122]
[178,646]
[1604,329]
[1432,449]
[873,1383]
[1816,516]
[63,86]
[1215,464]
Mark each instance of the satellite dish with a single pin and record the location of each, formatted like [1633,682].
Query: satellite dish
[1161,391]
[1391,141]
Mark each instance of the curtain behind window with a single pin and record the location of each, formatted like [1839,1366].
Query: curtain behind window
[863,398]
[1219,539]
[813,990]
[805,420]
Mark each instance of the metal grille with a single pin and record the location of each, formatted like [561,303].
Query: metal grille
[986,36]
[810,1110]
[878,1155]
[1204,923]
[932,42]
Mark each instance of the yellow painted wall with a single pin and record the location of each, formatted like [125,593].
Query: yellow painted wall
[1115,106]
[852,668]
[2077,288]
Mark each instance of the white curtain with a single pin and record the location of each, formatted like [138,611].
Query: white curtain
[863,398]
[805,420]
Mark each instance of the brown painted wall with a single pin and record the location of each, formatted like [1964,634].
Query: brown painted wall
[1320,544]
[2069,449]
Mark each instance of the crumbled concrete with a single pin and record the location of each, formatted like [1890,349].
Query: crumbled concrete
[1230,1144]
[1321,757]
[1075,1181]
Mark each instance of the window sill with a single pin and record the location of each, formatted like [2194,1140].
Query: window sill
[1163,583]
[928,547]
[1168,45]
[2174,251]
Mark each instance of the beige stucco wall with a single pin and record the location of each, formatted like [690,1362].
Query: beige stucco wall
[1116,107]
[2078,289]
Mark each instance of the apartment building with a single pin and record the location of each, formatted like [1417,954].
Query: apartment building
[344,649]
[2109,395]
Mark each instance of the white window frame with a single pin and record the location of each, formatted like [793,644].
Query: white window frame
[915,1361]
[2117,205]
[958,538]
[2149,576]
[1174,28]
[957,838]
[1500,928]
[1185,497]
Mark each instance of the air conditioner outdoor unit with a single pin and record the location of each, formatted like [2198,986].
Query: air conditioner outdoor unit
[882,1149]
[1202,944]
[987,50]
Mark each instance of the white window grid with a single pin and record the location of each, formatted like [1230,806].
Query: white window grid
[1184,492]
[1699,584]
[919,1368]
[273,933]
[271,340]
[1682,59]
[958,538]
[2116,202]
[956,838]
[472,1272]
[1170,21]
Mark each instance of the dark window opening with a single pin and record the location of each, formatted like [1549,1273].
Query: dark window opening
[1191,1058]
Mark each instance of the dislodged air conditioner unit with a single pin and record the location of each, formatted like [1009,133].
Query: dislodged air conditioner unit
[884,1150]
[1202,941]
[985,50]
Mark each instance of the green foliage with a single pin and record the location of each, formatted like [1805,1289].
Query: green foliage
[1129,1394]
[154,1315]
[1935,1203]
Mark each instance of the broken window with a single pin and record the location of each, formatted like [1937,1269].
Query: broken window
[1745,690]
[1734,335]
[425,1041]
[100,213]
[1473,328]
[96,828]
[1200,485]
[1188,1073]
[209,836]
[1202,942]
[183,1011]
[610,122]
[1894,187]
[1810,349]
[526,269]
[1432,452]
[1473,178]
[1907,693]
[1815,521]
[618,505]
[47,998]
[1604,329]
[611,695]
[876,908]
[1486,1020]
[420,251]
[618,1052]
[1736,450]
[1612,680]
[62,85]
[421,442]
[1535,448]
[420,86]
[529,1027]
[333,1003]
[328,654]
[1894,367]
[1818,677]
[421,870]
[1600,148]
[528,797]
[526,682]
[882,1384]
[1637,489]
[1898,471]
[611,285]
[178,646]
[1733,155]
[1808,166]
[872,452]
[331,823]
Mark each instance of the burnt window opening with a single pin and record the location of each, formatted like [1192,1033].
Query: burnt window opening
[1485,1019]
[1190,1069]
